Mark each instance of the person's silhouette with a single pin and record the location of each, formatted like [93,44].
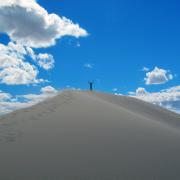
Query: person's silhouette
[91,85]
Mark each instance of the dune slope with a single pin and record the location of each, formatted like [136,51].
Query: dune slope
[90,136]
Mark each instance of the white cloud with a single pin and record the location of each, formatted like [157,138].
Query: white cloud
[89,65]
[48,90]
[115,89]
[14,71]
[145,69]
[12,49]
[45,61]
[168,98]
[158,76]
[141,92]
[17,48]
[4,96]
[29,24]
[8,103]
[14,2]
[7,107]
[172,89]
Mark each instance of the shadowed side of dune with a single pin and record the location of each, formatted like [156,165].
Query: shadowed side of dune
[142,108]
[82,135]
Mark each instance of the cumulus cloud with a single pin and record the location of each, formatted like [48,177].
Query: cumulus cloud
[48,90]
[12,49]
[46,61]
[158,76]
[14,70]
[9,103]
[7,106]
[29,24]
[4,96]
[141,92]
[168,98]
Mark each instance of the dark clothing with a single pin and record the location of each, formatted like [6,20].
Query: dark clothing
[91,86]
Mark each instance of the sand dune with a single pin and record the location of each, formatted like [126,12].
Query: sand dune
[90,136]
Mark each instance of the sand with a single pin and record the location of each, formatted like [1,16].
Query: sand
[90,136]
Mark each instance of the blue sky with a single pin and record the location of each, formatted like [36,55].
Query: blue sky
[123,38]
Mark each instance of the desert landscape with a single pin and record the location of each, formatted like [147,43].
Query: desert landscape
[90,135]
[89,90]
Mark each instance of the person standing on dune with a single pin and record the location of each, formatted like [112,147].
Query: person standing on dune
[91,85]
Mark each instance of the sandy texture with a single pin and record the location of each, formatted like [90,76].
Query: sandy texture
[90,136]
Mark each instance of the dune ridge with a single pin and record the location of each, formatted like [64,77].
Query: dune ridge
[84,135]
